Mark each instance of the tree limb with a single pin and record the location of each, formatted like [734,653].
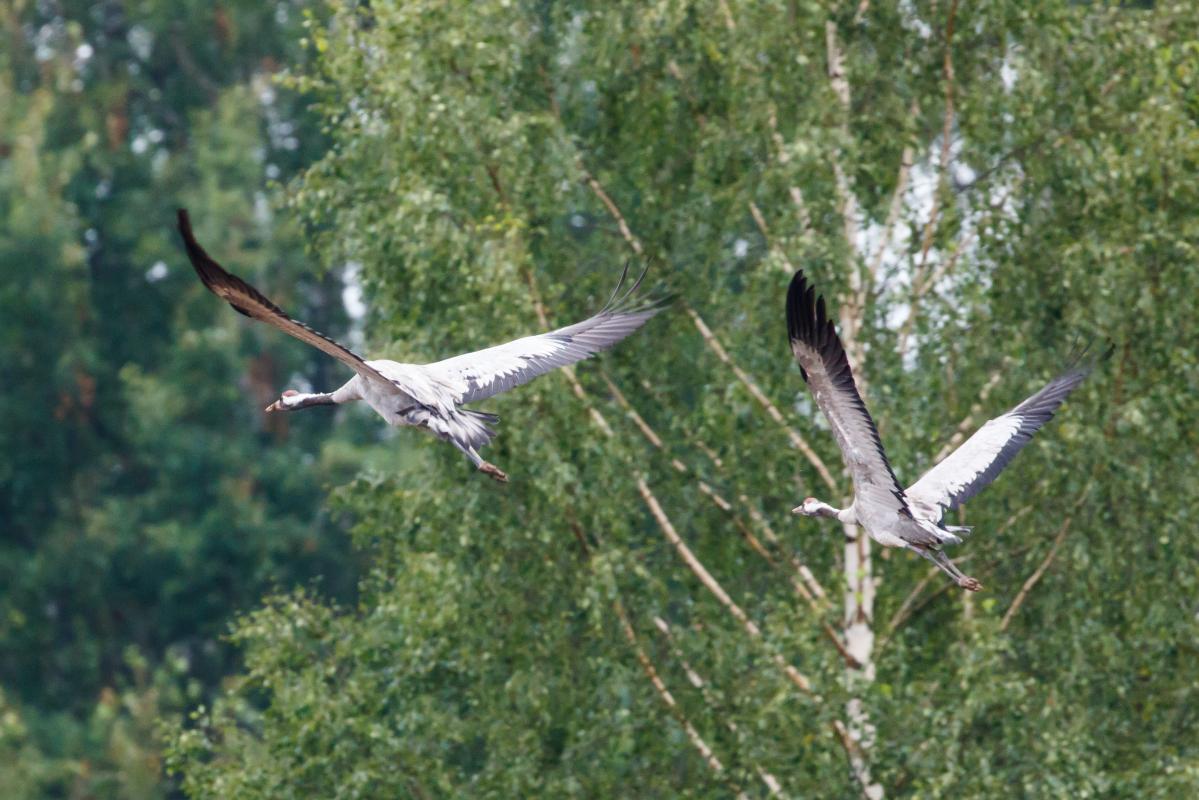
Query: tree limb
[771,409]
[772,784]
[711,340]
[809,590]
[664,694]
[1044,565]
[712,585]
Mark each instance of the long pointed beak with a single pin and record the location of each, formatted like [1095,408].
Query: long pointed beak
[796,510]
[275,406]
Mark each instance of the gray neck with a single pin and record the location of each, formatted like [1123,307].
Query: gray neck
[841,514]
[306,400]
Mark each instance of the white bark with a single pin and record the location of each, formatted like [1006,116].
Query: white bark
[858,622]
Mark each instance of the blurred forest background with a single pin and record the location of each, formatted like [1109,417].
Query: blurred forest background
[199,600]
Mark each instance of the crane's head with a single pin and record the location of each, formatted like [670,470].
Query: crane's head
[811,507]
[290,399]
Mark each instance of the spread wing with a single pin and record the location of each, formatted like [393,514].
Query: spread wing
[489,372]
[825,367]
[247,300]
[980,459]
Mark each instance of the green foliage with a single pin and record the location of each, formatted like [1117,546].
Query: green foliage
[143,500]
[486,658]
[472,158]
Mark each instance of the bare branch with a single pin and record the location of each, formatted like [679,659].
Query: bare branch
[946,134]
[621,223]
[760,221]
[814,593]
[772,784]
[714,343]
[1044,565]
[780,155]
[664,694]
[771,409]
[923,281]
[801,208]
[712,585]
[809,590]
[897,200]
[668,530]
[847,202]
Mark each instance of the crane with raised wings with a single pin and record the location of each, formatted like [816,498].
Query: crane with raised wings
[892,516]
[433,396]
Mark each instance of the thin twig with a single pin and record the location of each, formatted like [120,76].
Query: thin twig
[712,585]
[904,611]
[771,409]
[1044,565]
[664,694]
[968,422]
[697,680]
[846,200]
[711,340]
[947,586]
[780,155]
[760,221]
[946,134]
[897,201]
[924,281]
[613,209]
[809,590]
[647,494]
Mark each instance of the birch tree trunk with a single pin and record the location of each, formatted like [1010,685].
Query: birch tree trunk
[858,620]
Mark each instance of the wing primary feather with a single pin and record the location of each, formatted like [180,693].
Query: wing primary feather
[980,459]
[637,283]
[814,340]
[488,372]
[249,302]
[612,301]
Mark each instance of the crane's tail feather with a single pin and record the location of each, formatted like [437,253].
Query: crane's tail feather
[474,427]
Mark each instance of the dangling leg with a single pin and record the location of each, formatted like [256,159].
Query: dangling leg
[485,467]
[946,566]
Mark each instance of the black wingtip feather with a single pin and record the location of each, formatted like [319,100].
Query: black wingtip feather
[1033,414]
[808,323]
[219,281]
[612,301]
[795,300]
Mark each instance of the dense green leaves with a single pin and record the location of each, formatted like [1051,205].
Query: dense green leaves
[143,501]
[479,159]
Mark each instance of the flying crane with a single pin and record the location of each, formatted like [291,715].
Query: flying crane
[433,396]
[891,515]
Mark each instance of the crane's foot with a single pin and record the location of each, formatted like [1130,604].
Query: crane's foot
[969,584]
[494,472]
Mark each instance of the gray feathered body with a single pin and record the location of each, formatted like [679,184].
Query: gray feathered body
[433,396]
[893,516]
